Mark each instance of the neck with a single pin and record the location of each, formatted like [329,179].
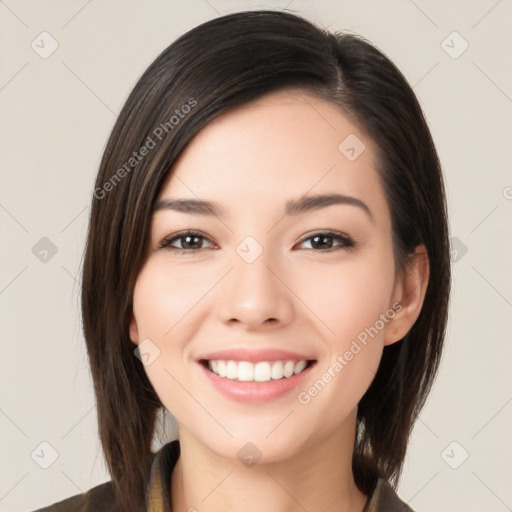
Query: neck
[317,478]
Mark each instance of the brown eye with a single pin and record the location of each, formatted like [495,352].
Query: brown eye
[325,241]
[187,241]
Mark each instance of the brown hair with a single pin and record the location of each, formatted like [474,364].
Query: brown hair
[215,67]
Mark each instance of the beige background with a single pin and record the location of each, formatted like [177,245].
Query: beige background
[56,113]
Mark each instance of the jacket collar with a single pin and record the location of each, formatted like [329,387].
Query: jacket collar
[159,487]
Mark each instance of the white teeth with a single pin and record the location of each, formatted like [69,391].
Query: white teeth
[263,371]
[245,371]
[277,370]
[231,370]
[221,368]
[299,367]
[288,368]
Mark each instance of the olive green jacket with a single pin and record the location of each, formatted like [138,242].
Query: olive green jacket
[101,497]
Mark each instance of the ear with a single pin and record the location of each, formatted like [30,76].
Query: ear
[134,330]
[408,295]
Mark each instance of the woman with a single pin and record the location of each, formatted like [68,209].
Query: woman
[268,260]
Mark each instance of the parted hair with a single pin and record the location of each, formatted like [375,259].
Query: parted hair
[215,67]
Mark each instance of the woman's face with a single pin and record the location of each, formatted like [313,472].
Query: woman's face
[268,279]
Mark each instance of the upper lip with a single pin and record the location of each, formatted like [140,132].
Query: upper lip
[253,355]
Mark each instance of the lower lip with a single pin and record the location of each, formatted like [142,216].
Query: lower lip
[255,392]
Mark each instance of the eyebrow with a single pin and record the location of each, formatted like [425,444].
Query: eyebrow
[293,207]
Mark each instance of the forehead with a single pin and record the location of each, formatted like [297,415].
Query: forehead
[280,146]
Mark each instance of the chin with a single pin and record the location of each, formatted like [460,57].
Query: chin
[252,449]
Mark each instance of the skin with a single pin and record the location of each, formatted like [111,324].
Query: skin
[254,159]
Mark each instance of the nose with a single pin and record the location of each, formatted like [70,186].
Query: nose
[255,295]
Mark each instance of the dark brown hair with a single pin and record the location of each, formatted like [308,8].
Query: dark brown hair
[211,69]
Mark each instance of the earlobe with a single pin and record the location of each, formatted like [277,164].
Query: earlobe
[410,293]
[134,331]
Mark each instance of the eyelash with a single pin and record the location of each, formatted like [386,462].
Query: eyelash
[344,240]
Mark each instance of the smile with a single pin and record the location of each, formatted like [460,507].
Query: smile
[262,371]
[255,382]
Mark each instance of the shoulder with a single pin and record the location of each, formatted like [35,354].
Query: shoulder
[97,499]
[387,500]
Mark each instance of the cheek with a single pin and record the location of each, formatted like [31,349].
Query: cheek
[165,299]
[351,301]
[348,298]
[170,305]
[163,306]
